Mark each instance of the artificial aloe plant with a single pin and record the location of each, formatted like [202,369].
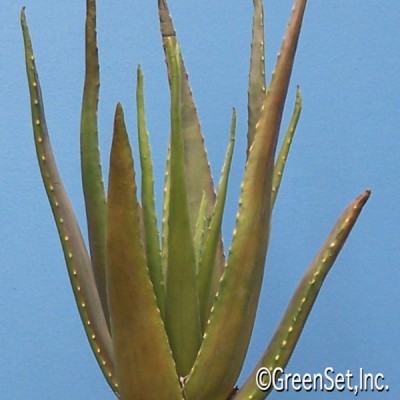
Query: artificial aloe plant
[169,302]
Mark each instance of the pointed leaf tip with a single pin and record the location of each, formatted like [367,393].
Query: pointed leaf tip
[150,225]
[291,326]
[181,306]
[133,306]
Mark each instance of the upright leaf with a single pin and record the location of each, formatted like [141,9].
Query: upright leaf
[200,235]
[233,313]
[256,90]
[284,151]
[152,242]
[206,274]
[92,177]
[197,169]
[143,359]
[165,214]
[182,311]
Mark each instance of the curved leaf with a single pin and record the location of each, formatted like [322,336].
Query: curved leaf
[75,253]
[288,332]
[92,177]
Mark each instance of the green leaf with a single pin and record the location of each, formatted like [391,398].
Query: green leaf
[200,235]
[206,268]
[152,242]
[165,215]
[279,351]
[143,359]
[256,91]
[233,313]
[92,177]
[181,312]
[197,170]
[75,252]
[283,154]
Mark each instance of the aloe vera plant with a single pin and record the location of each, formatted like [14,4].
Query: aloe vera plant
[166,315]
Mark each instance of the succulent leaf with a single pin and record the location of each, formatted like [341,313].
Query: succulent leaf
[76,256]
[135,317]
[288,332]
[165,215]
[285,148]
[197,169]
[257,84]
[201,230]
[207,261]
[92,177]
[181,305]
[152,241]
[172,320]
[241,282]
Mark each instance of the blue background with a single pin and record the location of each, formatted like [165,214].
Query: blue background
[347,140]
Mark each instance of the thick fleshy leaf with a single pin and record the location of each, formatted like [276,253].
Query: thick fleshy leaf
[152,239]
[143,360]
[197,169]
[165,215]
[181,305]
[285,148]
[75,252]
[232,316]
[288,332]
[92,177]
[206,267]
[200,234]
[257,89]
